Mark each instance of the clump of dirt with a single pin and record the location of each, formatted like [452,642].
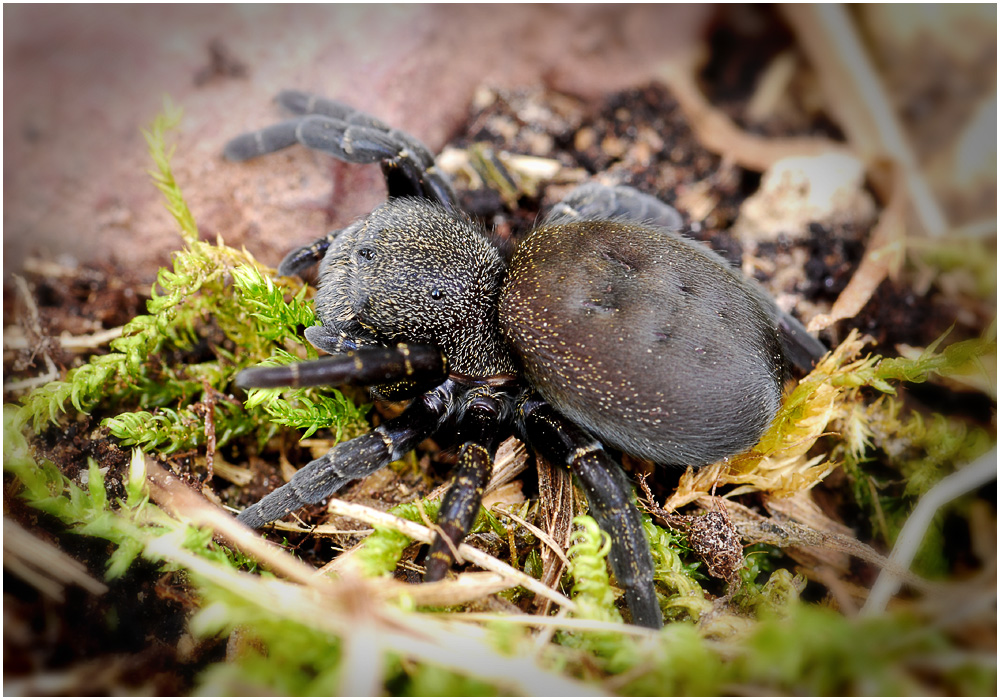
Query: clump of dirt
[70,301]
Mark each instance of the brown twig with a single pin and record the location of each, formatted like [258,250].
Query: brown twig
[35,340]
[717,132]
[883,258]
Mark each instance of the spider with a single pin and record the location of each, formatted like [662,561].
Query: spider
[605,329]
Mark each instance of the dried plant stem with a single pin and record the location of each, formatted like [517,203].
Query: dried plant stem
[44,566]
[33,326]
[90,341]
[856,98]
[980,472]
[341,607]
[182,502]
[540,534]
[719,134]
[177,498]
[575,624]
[758,529]
[883,258]
[468,553]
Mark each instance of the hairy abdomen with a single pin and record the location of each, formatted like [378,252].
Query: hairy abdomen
[644,338]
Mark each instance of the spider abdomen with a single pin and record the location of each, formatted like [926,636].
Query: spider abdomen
[647,339]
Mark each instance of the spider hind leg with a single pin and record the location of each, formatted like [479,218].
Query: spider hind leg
[593,201]
[562,442]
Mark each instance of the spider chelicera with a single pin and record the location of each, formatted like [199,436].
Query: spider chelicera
[606,328]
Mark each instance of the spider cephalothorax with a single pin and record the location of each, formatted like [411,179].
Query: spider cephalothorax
[412,272]
[607,328]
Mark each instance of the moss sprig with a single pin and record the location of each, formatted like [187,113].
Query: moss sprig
[208,284]
[167,430]
[307,409]
[163,177]
[275,319]
[592,591]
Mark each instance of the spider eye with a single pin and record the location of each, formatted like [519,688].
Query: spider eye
[437,294]
[366,253]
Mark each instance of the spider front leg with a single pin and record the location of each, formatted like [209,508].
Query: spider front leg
[353,459]
[353,137]
[362,367]
[480,421]
[562,442]
[304,257]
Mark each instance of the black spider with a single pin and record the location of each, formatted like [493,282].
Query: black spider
[605,328]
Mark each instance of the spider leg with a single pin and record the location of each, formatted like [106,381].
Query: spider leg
[362,367]
[337,340]
[351,143]
[802,349]
[479,425]
[304,257]
[562,442]
[593,201]
[355,458]
[353,137]
[798,346]
[305,103]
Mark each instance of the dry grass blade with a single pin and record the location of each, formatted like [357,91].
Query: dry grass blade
[511,460]
[87,678]
[185,504]
[540,534]
[980,472]
[324,530]
[340,607]
[44,566]
[856,98]
[89,341]
[882,259]
[574,624]
[719,134]
[468,553]
[459,590]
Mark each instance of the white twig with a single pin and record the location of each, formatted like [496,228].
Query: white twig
[470,554]
[951,487]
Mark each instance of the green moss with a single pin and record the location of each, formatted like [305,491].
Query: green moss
[592,592]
